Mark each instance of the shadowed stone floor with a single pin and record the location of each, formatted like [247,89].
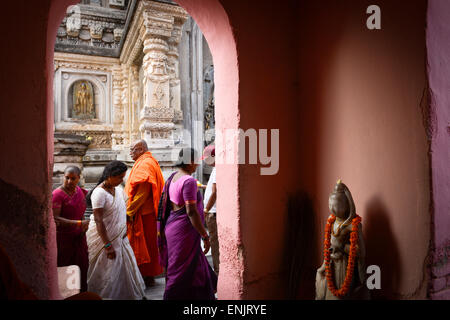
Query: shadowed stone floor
[156,292]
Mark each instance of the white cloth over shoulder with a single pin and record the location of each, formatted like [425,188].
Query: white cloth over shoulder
[117,278]
[208,191]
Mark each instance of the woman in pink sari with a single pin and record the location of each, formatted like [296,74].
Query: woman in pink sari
[69,205]
[181,228]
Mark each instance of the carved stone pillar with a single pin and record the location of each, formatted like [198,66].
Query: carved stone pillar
[117,136]
[135,104]
[161,89]
[173,68]
[126,105]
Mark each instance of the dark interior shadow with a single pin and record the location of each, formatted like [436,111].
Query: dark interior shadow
[300,249]
[381,248]
[320,36]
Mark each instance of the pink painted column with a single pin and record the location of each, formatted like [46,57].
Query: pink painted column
[56,14]
[438,48]
[215,25]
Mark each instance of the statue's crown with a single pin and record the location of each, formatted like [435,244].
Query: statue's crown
[339,187]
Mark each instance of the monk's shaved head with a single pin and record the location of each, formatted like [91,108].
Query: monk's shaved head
[140,143]
[138,148]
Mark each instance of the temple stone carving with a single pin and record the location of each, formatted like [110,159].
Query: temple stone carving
[118,78]
[92,27]
[161,34]
[209,104]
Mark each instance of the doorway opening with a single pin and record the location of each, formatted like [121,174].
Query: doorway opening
[142,81]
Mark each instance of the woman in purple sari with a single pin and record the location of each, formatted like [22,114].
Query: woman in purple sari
[180,230]
[69,205]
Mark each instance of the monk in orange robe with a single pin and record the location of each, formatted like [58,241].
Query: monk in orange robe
[143,188]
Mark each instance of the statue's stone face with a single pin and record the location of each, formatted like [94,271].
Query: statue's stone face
[338,204]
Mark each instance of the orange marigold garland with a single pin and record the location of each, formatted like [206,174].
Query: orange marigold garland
[351,259]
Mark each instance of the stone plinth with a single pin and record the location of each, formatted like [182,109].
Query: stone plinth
[69,149]
[94,161]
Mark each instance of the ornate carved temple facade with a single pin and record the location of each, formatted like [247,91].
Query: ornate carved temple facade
[126,70]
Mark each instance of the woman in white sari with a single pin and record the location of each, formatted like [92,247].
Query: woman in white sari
[113,272]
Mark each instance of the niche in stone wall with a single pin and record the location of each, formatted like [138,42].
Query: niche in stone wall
[81,100]
[82,97]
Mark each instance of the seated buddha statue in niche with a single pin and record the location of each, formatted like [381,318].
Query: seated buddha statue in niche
[342,275]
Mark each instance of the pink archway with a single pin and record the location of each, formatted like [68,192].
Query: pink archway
[298,65]
[213,21]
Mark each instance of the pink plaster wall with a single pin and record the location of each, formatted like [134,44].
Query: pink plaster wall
[26,124]
[215,25]
[57,11]
[361,120]
[251,207]
[24,168]
[438,33]
[265,34]
[26,72]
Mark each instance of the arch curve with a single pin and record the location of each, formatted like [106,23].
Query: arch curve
[215,25]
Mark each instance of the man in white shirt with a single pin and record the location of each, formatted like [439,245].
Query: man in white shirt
[210,205]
